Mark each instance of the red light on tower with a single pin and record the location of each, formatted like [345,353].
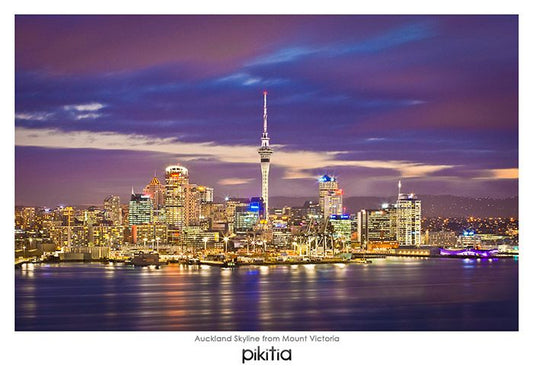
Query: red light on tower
[265,92]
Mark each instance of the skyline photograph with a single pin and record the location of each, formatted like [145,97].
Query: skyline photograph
[268,189]
[430,100]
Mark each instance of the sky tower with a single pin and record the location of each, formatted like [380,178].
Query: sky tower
[265,151]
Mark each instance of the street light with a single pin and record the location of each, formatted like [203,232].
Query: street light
[145,240]
[157,244]
[204,239]
[226,244]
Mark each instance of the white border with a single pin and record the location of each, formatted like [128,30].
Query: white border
[439,354]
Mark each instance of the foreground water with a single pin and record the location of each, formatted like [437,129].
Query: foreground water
[390,294]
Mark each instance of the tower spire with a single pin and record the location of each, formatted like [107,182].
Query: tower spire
[265,113]
[399,188]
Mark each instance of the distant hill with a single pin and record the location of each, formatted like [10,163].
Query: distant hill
[432,205]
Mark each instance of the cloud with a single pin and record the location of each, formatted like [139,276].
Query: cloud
[234,181]
[499,174]
[88,115]
[91,107]
[38,116]
[297,163]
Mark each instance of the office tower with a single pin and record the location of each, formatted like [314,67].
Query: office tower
[265,152]
[176,184]
[112,210]
[156,191]
[330,196]
[342,227]
[408,219]
[140,209]
[375,226]
[246,217]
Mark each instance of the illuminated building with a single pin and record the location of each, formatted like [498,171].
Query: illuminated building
[247,216]
[106,236]
[230,206]
[156,191]
[342,227]
[112,210]
[408,219]
[206,194]
[149,234]
[330,196]
[140,209]
[28,218]
[441,238]
[469,239]
[193,205]
[374,226]
[176,184]
[265,152]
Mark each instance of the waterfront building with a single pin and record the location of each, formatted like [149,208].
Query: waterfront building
[156,191]
[140,209]
[374,226]
[469,239]
[408,219]
[149,234]
[67,237]
[176,184]
[196,237]
[265,152]
[342,227]
[441,238]
[106,236]
[112,210]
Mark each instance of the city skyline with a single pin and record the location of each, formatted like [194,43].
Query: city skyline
[369,99]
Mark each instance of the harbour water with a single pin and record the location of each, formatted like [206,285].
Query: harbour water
[390,294]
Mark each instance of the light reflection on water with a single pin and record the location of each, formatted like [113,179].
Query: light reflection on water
[391,294]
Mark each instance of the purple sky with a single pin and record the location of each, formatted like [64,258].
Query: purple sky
[104,101]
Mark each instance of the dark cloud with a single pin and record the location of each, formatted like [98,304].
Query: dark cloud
[433,90]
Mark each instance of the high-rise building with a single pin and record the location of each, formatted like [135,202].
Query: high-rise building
[265,152]
[176,185]
[329,196]
[28,218]
[375,226]
[206,194]
[342,227]
[193,205]
[156,191]
[408,219]
[112,210]
[246,217]
[140,209]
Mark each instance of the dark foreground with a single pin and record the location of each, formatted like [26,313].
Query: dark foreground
[390,294]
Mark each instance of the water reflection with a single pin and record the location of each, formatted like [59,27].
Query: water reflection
[390,294]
